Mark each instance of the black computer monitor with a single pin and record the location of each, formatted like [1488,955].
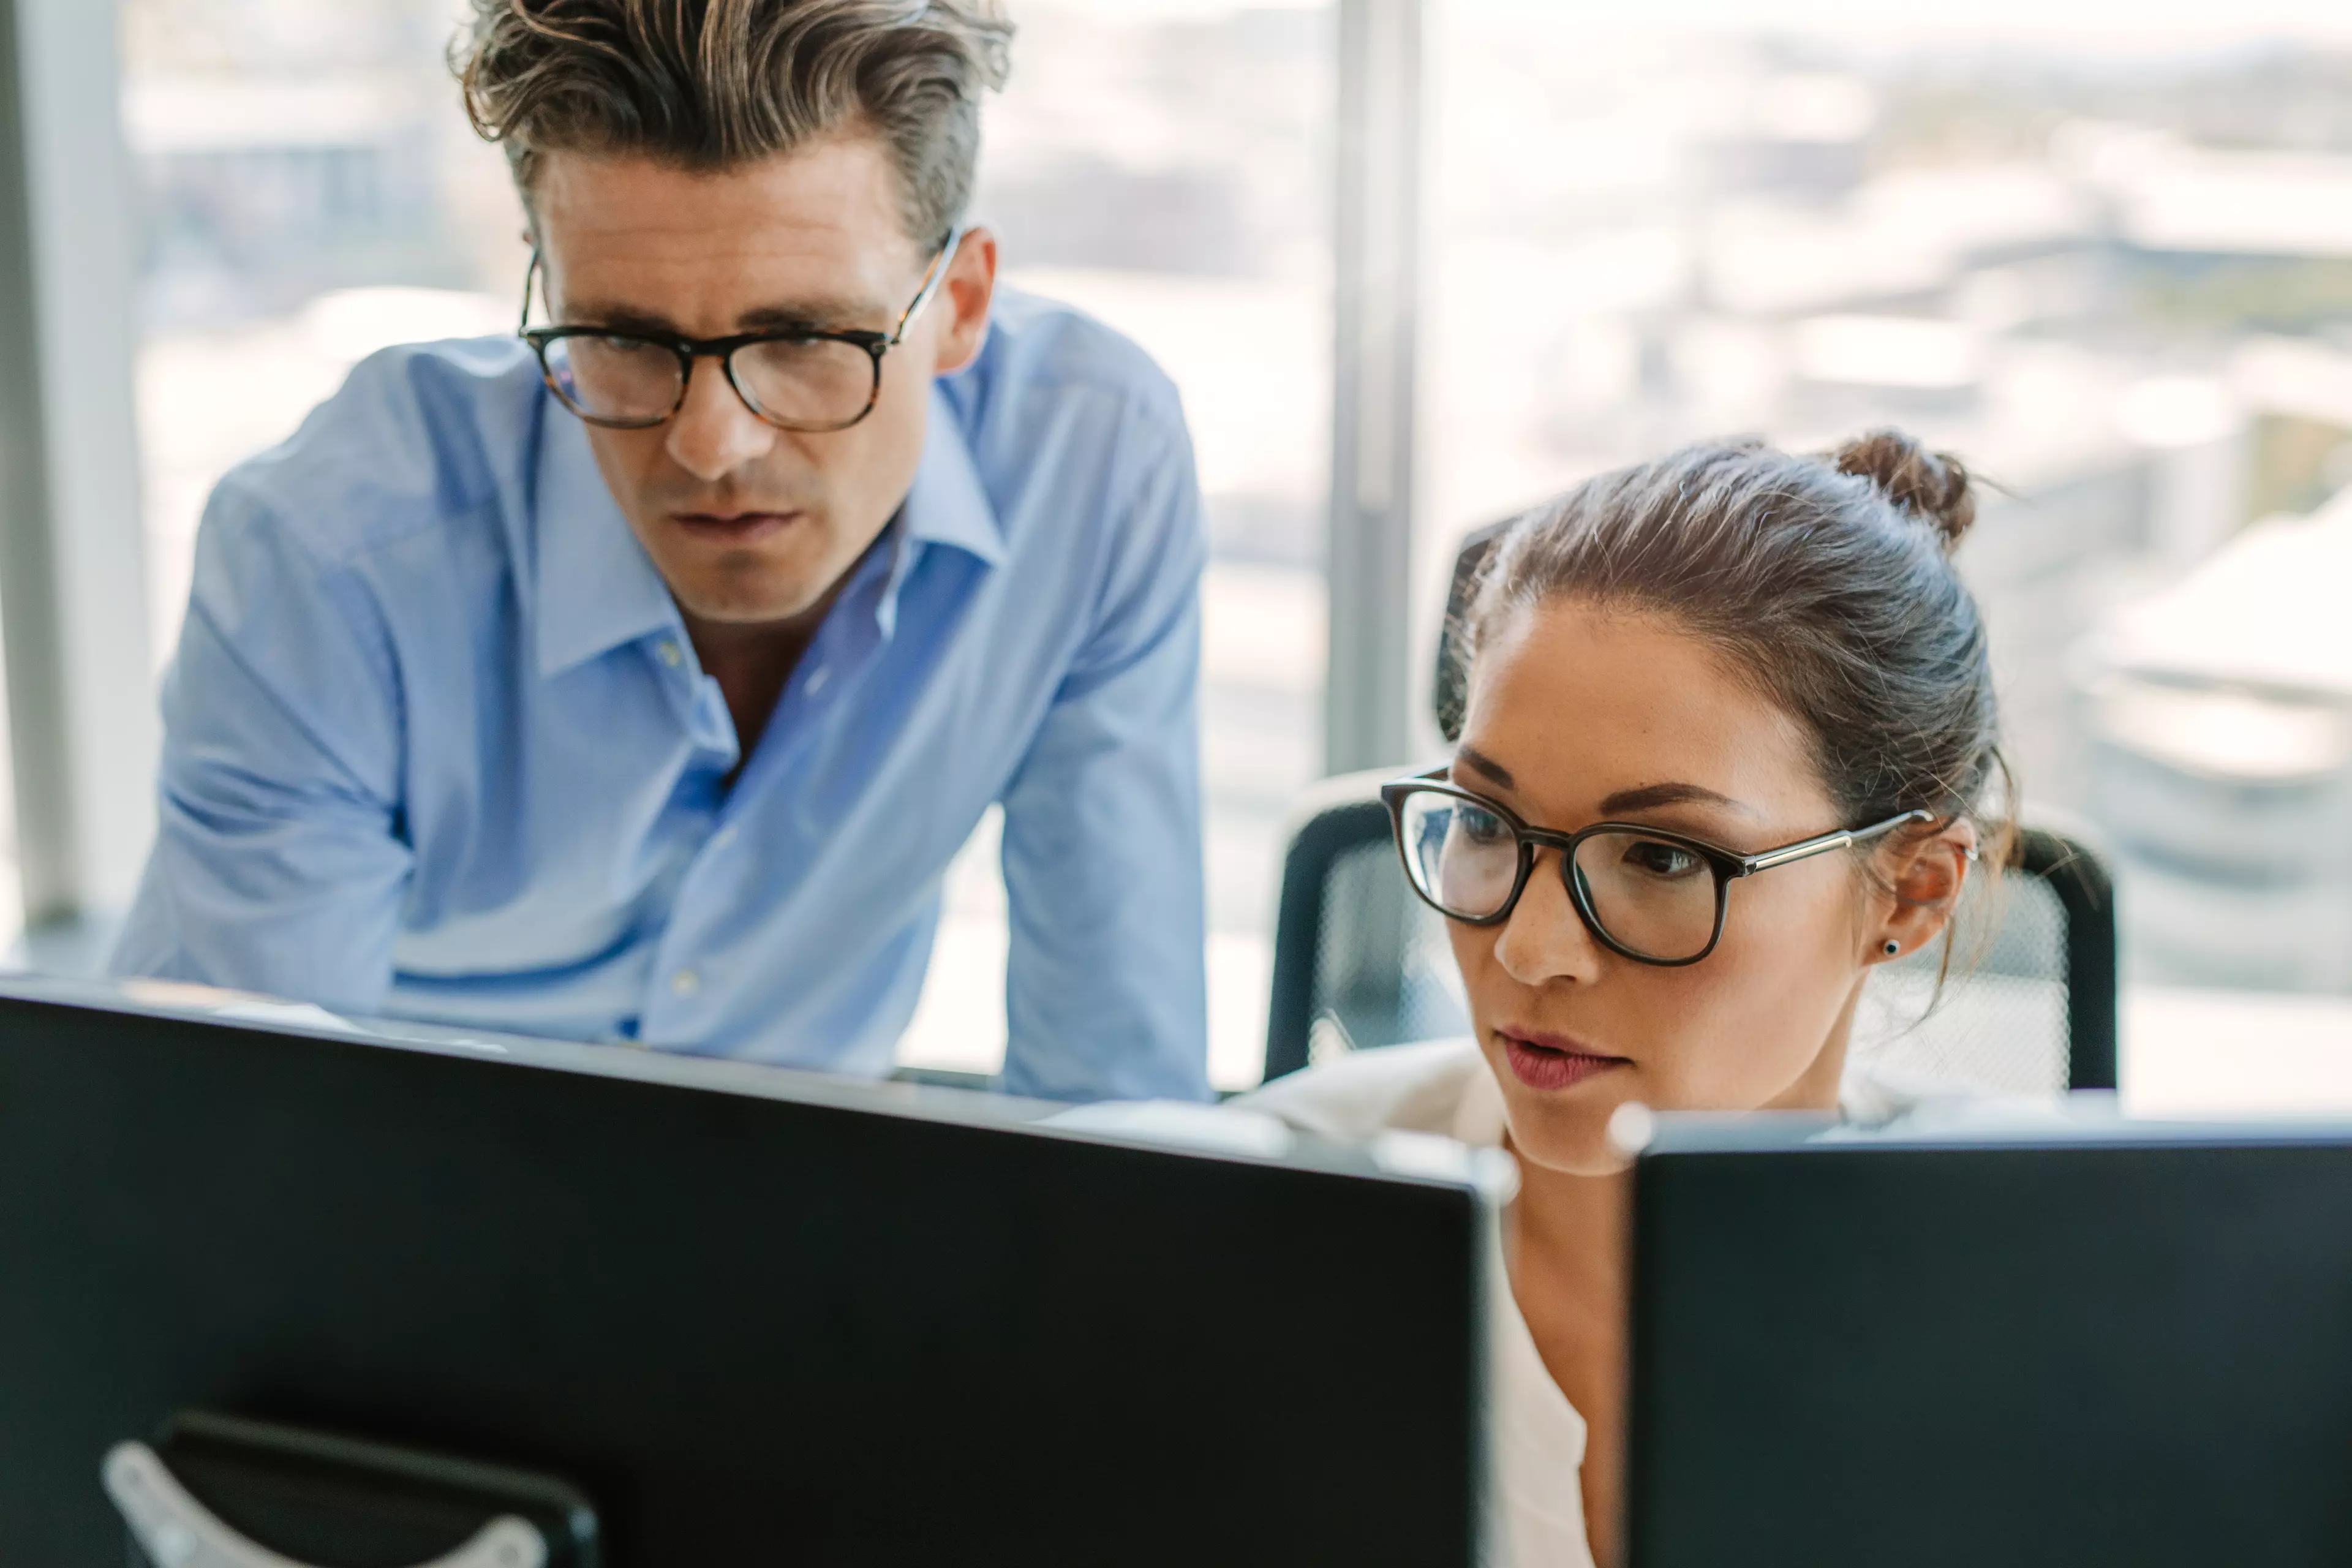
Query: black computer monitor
[750,1316]
[2113,1346]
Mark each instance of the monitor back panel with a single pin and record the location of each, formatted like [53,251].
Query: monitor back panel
[752,1329]
[2060,1356]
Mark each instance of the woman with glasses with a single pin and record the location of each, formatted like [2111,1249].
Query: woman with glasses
[1730,746]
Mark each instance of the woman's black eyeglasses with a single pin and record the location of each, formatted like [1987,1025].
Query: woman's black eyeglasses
[806,378]
[1647,894]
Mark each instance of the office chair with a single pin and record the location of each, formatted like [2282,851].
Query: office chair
[2030,1007]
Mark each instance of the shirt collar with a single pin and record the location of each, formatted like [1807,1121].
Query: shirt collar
[948,505]
[598,590]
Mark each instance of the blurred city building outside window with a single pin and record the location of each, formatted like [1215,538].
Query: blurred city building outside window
[312,193]
[2105,253]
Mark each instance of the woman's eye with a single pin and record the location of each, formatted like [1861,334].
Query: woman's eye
[1481,827]
[1655,858]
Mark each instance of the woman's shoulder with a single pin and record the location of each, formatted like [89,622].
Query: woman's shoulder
[1439,1086]
[1877,1100]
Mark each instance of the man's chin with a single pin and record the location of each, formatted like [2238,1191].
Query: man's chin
[788,579]
[741,588]
[737,607]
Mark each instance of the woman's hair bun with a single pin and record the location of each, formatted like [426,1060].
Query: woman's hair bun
[1932,485]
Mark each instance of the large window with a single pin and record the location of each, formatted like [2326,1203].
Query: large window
[2105,254]
[311,192]
[1164,167]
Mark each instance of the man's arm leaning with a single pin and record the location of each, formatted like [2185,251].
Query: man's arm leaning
[1106,989]
[278,865]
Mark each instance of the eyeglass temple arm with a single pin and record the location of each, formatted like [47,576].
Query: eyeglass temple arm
[1843,838]
[932,281]
[529,275]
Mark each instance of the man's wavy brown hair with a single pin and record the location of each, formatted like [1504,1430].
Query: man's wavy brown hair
[712,85]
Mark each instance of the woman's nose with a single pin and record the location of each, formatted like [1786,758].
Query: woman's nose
[1545,940]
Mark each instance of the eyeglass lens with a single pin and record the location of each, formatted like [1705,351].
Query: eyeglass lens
[813,383]
[1651,896]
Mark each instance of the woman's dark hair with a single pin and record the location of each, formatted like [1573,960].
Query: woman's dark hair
[1825,580]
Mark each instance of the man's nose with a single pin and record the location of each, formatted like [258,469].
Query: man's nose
[1545,940]
[713,433]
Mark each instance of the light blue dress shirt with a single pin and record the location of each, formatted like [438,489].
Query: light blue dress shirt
[438,746]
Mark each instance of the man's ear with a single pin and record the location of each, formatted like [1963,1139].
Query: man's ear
[1925,875]
[970,286]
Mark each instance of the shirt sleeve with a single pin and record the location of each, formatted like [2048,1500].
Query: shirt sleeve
[1106,989]
[278,864]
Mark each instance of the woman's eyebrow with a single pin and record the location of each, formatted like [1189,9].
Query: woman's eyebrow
[1478,761]
[1650,797]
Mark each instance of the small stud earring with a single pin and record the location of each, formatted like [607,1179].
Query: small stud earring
[1892,947]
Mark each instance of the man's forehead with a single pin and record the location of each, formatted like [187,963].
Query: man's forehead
[819,225]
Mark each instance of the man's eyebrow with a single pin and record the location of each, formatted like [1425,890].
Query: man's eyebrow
[1480,761]
[620,318]
[816,313]
[1650,797]
[823,314]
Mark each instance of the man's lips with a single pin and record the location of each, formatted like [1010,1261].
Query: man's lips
[733,528]
[1547,1061]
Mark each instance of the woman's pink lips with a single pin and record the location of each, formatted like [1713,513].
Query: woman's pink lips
[1553,1062]
[740,528]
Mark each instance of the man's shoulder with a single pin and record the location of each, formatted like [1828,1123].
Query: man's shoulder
[1042,352]
[419,438]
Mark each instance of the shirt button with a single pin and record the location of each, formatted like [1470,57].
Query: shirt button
[817,677]
[724,839]
[671,654]
[685,983]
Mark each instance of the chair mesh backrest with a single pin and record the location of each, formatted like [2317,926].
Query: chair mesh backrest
[1384,970]
[1384,974]
[2002,1023]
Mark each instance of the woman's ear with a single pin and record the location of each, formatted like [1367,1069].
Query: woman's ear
[1923,876]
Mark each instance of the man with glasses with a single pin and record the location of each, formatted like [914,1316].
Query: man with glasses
[637,680]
